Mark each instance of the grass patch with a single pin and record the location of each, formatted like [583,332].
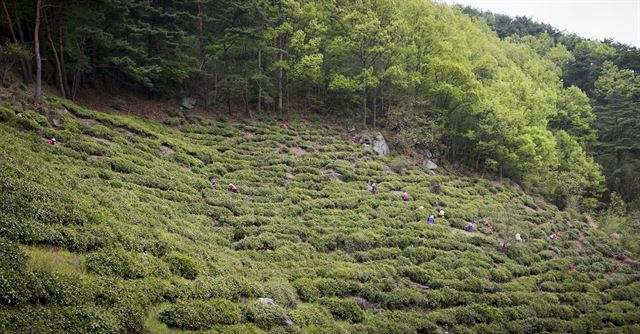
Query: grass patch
[53,259]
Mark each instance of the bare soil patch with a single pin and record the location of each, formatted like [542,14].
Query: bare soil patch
[92,138]
[88,121]
[333,175]
[580,242]
[298,151]
[125,132]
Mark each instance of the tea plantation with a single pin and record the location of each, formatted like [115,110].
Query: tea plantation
[117,229]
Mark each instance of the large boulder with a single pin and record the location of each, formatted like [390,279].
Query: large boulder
[428,164]
[188,102]
[56,116]
[267,301]
[377,144]
[380,144]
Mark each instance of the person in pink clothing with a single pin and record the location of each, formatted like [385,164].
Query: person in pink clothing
[405,197]
[52,142]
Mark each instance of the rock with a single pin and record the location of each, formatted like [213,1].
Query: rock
[376,144]
[267,301]
[351,128]
[165,150]
[366,142]
[188,102]
[270,302]
[428,154]
[615,236]
[55,117]
[379,145]
[428,164]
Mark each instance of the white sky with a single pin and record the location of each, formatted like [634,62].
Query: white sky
[597,19]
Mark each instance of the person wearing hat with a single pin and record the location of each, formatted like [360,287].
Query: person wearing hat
[52,142]
[233,188]
[405,197]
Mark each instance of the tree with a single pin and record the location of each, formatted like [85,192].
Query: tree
[10,53]
[36,41]
[617,95]
[575,116]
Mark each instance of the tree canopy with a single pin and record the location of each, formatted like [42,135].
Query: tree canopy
[496,94]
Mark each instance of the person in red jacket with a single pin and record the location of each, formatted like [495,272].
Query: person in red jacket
[233,188]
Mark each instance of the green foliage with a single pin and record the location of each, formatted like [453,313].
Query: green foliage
[71,319]
[311,316]
[265,316]
[182,265]
[201,314]
[345,309]
[11,257]
[145,244]
[282,292]
[121,263]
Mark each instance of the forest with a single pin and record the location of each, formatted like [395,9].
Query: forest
[505,96]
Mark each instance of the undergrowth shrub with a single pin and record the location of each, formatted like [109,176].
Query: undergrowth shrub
[201,314]
[344,309]
[311,315]
[182,265]
[281,291]
[121,263]
[265,316]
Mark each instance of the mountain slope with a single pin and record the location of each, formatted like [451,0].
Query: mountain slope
[117,229]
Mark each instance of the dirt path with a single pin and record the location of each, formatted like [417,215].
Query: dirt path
[580,242]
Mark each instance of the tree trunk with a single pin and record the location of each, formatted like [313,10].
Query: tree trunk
[55,56]
[29,72]
[382,100]
[36,41]
[260,80]
[364,106]
[6,70]
[375,107]
[23,61]
[78,73]
[65,80]
[280,75]
[201,36]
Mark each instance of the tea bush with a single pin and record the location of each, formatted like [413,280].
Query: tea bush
[345,309]
[265,316]
[201,314]
[150,246]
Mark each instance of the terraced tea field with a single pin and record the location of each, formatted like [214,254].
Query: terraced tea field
[117,229]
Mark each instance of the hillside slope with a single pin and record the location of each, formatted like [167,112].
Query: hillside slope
[117,229]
